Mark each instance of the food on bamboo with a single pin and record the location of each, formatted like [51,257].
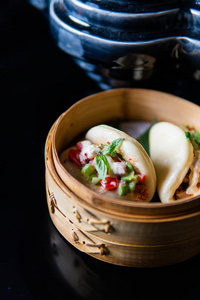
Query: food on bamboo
[175,153]
[112,163]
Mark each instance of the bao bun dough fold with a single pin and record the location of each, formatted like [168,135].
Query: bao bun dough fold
[131,151]
[172,156]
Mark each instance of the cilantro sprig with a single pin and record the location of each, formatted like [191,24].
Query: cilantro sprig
[193,136]
[193,140]
[196,135]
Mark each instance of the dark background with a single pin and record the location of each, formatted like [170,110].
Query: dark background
[38,82]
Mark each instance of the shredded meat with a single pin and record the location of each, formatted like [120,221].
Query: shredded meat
[194,175]
[191,182]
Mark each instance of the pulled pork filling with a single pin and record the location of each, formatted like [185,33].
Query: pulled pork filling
[191,183]
[104,165]
[194,176]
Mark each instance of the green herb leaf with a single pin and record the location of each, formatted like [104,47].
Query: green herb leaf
[192,140]
[118,155]
[110,149]
[101,165]
[196,135]
[186,127]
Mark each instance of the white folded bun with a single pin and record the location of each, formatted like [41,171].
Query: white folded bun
[131,151]
[172,156]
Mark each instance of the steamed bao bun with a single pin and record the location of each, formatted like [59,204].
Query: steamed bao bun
[172,156]
[131,151]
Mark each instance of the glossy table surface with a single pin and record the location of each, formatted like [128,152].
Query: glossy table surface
[38,83]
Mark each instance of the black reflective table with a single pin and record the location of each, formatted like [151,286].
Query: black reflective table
[39,82]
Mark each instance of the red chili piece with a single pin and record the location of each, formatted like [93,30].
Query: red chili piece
[74,156]
[141,177]
[110,183]
[190,128]
[79,146]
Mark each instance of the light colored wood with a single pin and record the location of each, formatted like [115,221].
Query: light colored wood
[120,232]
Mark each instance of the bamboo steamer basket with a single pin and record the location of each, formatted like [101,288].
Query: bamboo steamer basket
[113,230]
